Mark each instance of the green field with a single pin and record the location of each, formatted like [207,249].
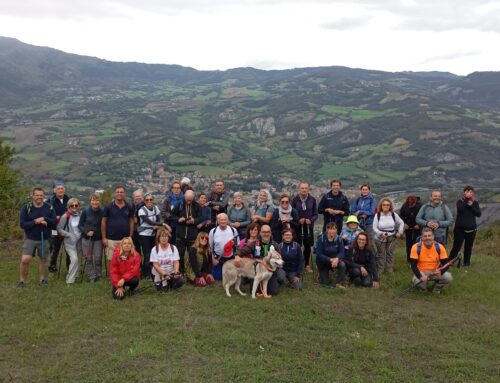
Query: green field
[79,334]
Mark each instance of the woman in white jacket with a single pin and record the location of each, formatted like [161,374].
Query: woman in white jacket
[387,226]
[68,228]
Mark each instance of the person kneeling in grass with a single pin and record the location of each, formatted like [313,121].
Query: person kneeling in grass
[361,263]
[165,261]
[426,258]
[124,268]
[291,252]
[330,255]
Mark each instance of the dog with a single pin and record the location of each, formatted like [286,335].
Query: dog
[260,270]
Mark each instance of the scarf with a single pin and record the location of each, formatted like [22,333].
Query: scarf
[303,200]
[285,213]
[174,199]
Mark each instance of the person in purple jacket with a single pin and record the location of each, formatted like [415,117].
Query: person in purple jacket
[306,206]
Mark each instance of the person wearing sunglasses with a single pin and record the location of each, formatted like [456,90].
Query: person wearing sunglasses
[199,266]
[387,226]
[68,228]
[284,217]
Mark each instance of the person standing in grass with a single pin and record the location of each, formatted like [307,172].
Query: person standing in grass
[426,257]
[36,218]
[218,200]
[363,208]
[68,228]
[387,226]
[117,222]
[137,203]
[408,214]
[59,202]
[173,196]
[306,206]
[90,227]
[206,223]
[437,216]
[124,269]
[263,209]
[149,221]
[334,205]
[330,255]
[284,217]
[361,263]
[239,215]
[187,215]
[465,227]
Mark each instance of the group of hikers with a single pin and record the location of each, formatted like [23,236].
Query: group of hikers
[188,237]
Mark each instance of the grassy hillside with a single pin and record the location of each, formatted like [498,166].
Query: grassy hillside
[80,334]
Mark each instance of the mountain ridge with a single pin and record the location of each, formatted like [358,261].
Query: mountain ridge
[303,123]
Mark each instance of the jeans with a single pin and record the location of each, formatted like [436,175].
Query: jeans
[282,275]
[92,251]
[324,272]
[147,243]
[358,279]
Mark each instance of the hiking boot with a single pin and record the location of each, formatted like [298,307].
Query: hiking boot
[308,269]
[21,284]
[340,286]
[43,282]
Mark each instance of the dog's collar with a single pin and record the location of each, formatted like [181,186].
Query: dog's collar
[265,264]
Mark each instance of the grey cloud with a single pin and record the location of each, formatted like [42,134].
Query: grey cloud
[451,56]
[348,23]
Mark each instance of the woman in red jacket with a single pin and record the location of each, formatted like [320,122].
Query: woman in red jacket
[125,268]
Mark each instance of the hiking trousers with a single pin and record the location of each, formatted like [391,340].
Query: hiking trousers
[385,255]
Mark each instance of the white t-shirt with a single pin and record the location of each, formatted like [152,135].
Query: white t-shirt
[218,238]
[164,258]
[145,228]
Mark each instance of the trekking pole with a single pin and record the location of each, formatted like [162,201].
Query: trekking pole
[42,240]
[62,250]
[413,285]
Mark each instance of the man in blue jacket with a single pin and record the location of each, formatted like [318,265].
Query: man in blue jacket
[37,218]
[334,206]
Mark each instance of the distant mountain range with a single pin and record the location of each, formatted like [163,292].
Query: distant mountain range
[94,122]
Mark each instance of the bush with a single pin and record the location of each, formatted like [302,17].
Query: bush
[12,195]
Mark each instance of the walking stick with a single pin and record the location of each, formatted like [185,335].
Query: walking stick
[62,250]
[413,285]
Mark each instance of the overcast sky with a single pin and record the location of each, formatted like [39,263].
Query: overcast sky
[458,36]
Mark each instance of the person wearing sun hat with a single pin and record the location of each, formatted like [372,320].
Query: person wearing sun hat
[350,231]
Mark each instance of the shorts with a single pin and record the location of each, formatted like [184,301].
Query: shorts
[31,247]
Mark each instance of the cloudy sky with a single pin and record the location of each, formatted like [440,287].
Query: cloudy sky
[459,36]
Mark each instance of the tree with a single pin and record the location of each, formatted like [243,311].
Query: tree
[12,194]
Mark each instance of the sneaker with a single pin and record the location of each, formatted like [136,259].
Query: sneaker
[21,284]
[308,269]
[43,282]
[340,286]
[52,269]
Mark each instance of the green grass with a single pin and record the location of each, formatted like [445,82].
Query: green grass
[80,334]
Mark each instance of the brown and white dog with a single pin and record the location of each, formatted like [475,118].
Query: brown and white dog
[259,270]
